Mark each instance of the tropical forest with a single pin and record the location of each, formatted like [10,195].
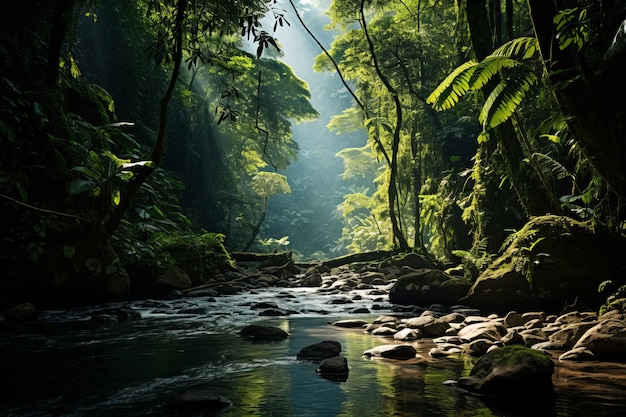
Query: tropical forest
[313,207]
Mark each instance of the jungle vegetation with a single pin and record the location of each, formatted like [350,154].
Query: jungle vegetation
[133,128]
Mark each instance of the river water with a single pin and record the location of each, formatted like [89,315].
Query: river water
[65,365]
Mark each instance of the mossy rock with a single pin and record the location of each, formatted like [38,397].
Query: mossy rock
[512,372]
[428,286]
[551,262]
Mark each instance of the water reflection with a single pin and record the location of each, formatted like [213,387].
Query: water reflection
[135,369]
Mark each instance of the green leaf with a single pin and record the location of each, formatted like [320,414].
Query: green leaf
[69,251]
[81,186]
[456,85]
[505,98]
[487,68]
[519,48]
[116,197]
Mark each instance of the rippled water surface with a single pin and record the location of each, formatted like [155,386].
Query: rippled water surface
[66,366]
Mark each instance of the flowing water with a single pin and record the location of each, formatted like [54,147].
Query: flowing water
[64,365]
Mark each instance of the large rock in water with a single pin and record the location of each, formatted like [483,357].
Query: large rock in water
[552,261]
[424,287]
[512,372]
[321,350]
[607,340]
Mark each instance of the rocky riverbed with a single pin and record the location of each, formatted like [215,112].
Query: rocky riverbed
[588,352]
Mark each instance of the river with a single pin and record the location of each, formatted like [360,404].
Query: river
[65,365]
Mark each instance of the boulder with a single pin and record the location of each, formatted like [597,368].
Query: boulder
[260,333]
[205,400]
[410,260]
[488,330]
[578,354]
[351,324]
[321,350]
[173,278]
[552,261]
[428,325]
[408,334]
[335,368]
[400,352]
[565,338]
[512,372]
[607,340]
[427,286]
[20,312]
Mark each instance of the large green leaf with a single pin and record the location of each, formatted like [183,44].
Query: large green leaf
[489,67]
[505,98]
[448,93]
[519,48]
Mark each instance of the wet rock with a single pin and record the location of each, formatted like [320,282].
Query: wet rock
[384,331]
[20,312]
[260,333]
[274,312]
[361,310]
[408,334]
[513,338]
[173,278]
[311,281]
[428,325]
[576,317]
[453,318]
[565,338]
[514,372]
[335,369]
[400,352]
[513,319]
[607,340]
[578,354]
[321,350]
[351,324]
[386,319]
[206,400]
[123,314]
[264,305]
[489,330]
[422,287]
[533,336]
[479,347]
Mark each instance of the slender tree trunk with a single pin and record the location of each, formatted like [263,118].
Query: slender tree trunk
[530,191]
[158,149]
[257,226]
[392,191]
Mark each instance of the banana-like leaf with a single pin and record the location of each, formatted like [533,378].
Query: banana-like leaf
[489,67]
[519,48]
[505,98]
[448,93]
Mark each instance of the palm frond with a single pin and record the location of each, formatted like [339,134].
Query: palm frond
[505,98]
[456,85]
[489,67]
[519,48]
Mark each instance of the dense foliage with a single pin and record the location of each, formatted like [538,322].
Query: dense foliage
[131,129]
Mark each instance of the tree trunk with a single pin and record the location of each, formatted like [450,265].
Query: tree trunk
[158,149]
[62,17]
[594,106]
[530,191]
[392,191]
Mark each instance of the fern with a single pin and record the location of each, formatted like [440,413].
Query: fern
[456,85]
[552,167]
[489,67]
[505,98]
[520,48]
[473,76]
